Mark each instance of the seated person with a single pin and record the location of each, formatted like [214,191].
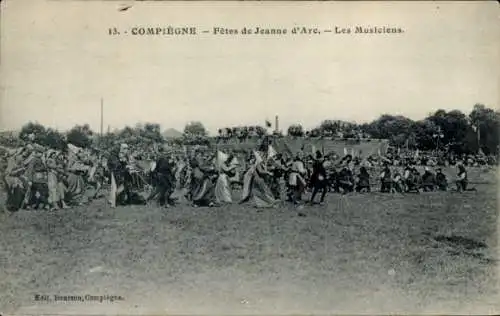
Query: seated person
[346,180]
[413,180]
[397,183]
[363,184]
[441,181]
[428,180]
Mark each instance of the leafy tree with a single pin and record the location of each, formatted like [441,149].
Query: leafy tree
[151,132]
[243,133]
[109,139]
[453,125]
[54,139]
[195,129]
[296,130]
[424,131]
[260,131]
[33,131]
[486,124]
[80,135]
[127,132]
[387,126]
[315,132]
[329,127]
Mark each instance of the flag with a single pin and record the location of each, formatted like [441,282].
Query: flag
[271,152]
[268,124]
[73,149]
[92,171]
[221,158]
[258,157]
[152,166]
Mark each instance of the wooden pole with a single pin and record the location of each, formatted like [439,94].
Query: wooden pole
[102,116]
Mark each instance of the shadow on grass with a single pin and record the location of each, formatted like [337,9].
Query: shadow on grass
[465,246]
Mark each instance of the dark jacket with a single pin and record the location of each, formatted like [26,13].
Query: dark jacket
[318,174]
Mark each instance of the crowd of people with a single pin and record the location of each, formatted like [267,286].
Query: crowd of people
[36,177]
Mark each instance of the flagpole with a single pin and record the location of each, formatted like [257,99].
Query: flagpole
[102,120]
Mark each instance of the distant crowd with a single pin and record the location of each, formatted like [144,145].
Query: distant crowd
[36,177]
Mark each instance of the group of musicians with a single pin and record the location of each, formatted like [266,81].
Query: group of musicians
[37,177]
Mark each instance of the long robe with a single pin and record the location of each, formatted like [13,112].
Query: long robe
[202,187]
[75,186]
[256,189]
[223,185]
[179,191]
[52,181]
[16,184]
[39,178]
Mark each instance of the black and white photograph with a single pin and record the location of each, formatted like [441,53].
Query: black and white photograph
[249,158]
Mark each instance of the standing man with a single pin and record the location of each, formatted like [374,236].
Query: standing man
[296,180]
[386,179]
[318,178]
[164,178]
[118,165]
[277,169]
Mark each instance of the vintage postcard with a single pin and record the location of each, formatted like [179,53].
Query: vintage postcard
[256,158]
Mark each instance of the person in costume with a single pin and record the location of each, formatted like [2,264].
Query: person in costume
[226,170]
[428,180]
[386,179]
[462,180]
[202,182]
[296,180]
[256,184]
[441,181]
[164,180]
[363,183]
[318,178]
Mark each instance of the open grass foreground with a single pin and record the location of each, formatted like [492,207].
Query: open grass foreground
[374,253]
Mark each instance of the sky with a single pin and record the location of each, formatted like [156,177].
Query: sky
[57,61]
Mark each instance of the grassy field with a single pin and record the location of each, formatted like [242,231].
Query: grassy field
[374,253]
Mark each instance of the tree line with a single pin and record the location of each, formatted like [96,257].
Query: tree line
[454,130]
